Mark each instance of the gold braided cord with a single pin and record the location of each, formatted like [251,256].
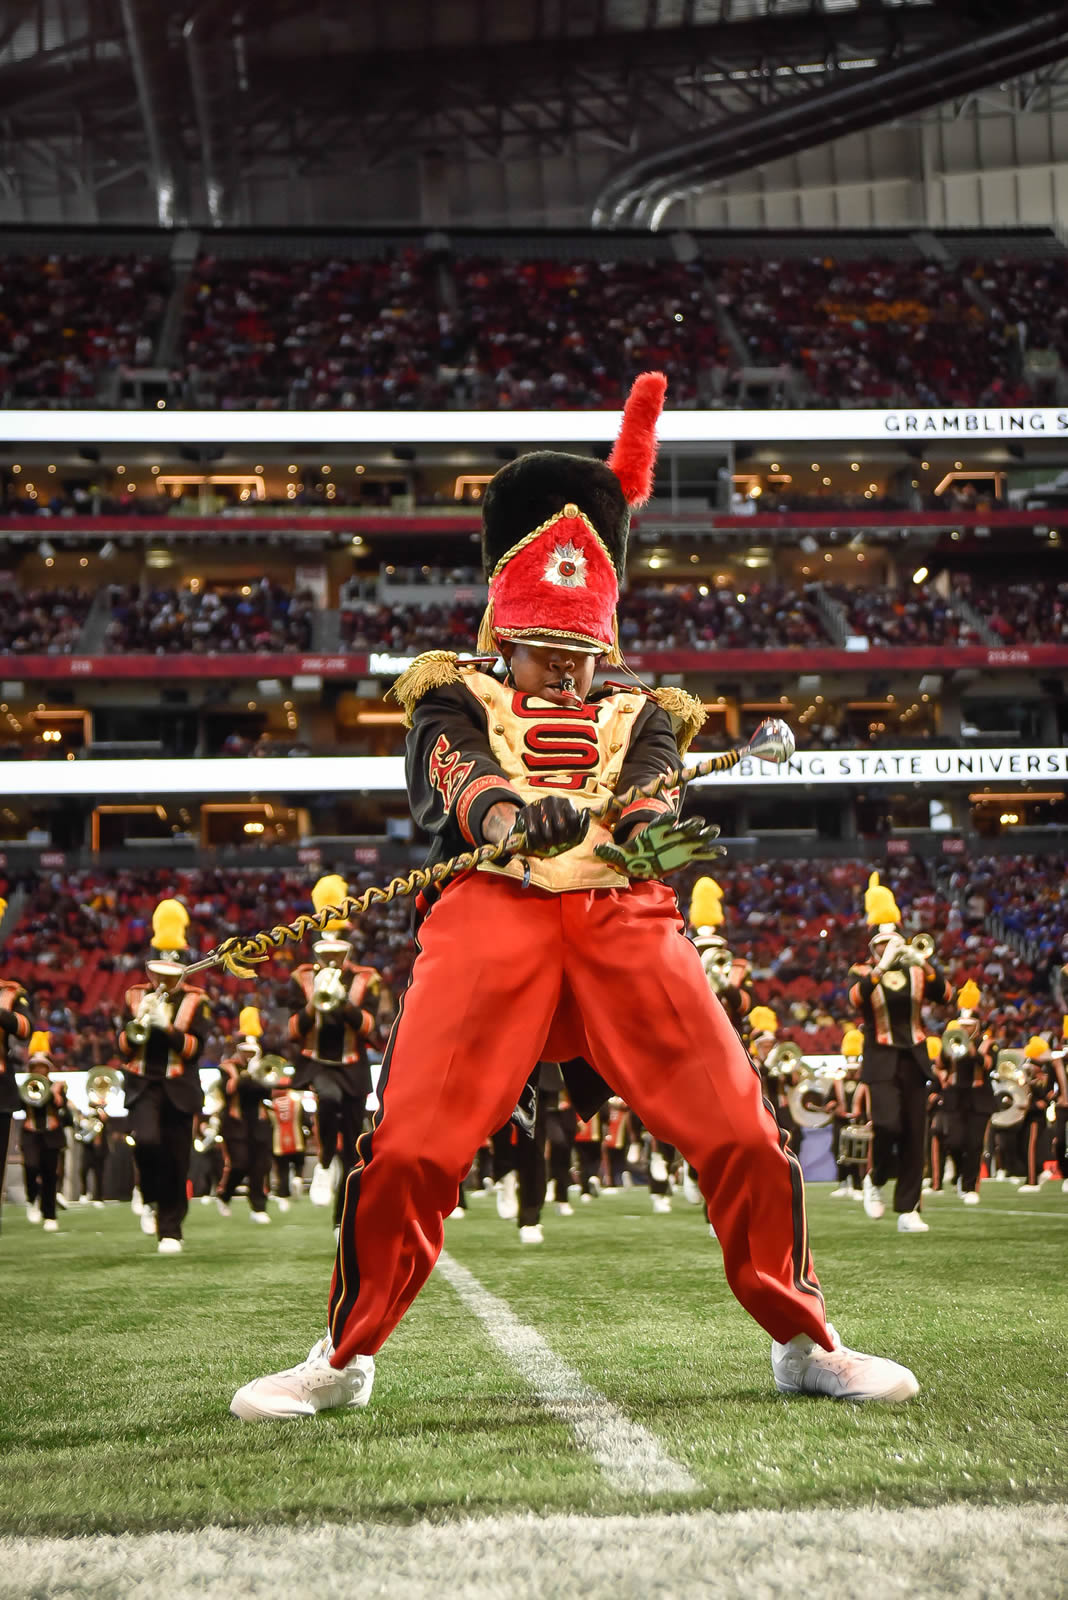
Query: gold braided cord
[235,954]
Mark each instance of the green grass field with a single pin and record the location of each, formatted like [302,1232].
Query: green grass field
[119,1366]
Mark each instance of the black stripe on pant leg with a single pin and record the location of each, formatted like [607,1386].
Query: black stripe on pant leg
[801,1256]
[347,1285]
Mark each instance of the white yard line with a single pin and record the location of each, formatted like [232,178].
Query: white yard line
[629,1456]
[969,1552]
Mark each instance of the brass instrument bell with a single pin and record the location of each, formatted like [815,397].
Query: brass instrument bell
[35,1089]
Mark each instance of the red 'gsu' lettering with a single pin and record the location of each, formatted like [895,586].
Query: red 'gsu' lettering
[446,772]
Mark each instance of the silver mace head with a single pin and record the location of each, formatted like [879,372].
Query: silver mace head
[772,741]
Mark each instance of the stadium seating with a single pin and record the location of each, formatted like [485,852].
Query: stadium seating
[44,621]
[262,617]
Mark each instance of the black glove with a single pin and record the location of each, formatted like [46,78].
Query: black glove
[548,827]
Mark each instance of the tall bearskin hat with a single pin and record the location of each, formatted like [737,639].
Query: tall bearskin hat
[554,535]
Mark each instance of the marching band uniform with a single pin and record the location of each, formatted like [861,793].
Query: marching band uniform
[967,1094]
[561,1126]
[162,1080]
[845,1114]
[246,1125]
[574,948]
[44,1139]
[332,1046]
[14,1024]
[936,1116]
[286,1110]
[895,1065]
[1043,1087]
[94,1158]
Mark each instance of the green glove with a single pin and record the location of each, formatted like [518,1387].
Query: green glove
[663,847]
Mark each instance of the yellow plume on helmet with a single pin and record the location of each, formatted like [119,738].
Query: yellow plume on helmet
[852,1042]
[880,907]
[934,1047]
[40,1043]
[3,905]
[706,904]
[968,997]
[1064,1027]
[249,1022]
[762,1019]
[1035,1048]
[330,891]
[169,922]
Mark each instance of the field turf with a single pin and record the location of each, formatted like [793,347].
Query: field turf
[119,1366]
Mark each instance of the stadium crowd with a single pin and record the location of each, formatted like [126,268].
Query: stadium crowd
[910,614]
[414,328]
[262,617]
[83,938]
[43,621]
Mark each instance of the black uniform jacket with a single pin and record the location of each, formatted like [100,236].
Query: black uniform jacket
[15,1023]
[890,1007]
[169,1056]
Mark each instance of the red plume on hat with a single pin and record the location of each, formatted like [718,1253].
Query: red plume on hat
[554,535]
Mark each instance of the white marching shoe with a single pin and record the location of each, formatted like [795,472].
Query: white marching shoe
[971,1197]
[51,1225]
[507,1197]
[842,1192]
[148,1221]
[661,1204]
[457,1214]
[911,1222]
[691,1192]
[530,1233]
[169,1247]
[222,1207]
[874,1204]
[1028,1188]
[313,1385]
[137,1205]
[803,1367]
[282,1203]
[321,1192]
[566,1209]
[33,1213]
[259,1216]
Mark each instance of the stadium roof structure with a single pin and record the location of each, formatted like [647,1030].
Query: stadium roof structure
[172,111]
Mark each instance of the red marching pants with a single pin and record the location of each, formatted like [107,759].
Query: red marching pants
[505,977]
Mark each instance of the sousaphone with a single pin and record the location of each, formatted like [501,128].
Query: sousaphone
[1012,1096]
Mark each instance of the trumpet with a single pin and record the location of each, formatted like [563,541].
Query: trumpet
[101,1083]
[87,1127]
[329,990]
[914,952]
[215,1105]
[154,1011]
[717,963]
[35,1090]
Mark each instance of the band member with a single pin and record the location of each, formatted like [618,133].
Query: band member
[92,1136]
[1046,1085]
[845,1115]
[890,993]
[331,1026]
[246,1123]
[573,947]
[561,1126]
[286,1110]
[166,1022]
[967,1092]
[728,974]
[44,1137]
[15,1024]
[1060,1121]
[936,1117]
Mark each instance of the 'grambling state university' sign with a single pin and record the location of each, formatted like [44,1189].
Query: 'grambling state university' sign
[858,768]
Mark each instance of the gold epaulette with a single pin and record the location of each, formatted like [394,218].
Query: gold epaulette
[432,670]
[687,713]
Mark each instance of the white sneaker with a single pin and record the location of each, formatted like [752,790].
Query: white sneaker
[566,1209]
[206,1199]
[661,1204]
[282,1203]
[98,1205]
[712,1234]
[531,1233]
[595,1186]
[804,1367]
[856,1194]
[874,1204]
[507,1198]
[222,1208]
[842,1192]
[51,1225]
[911,1222]
[658,1167]
[259,1216]
[971,1198]
[691,1193]
[321,1192]
[297,1185]
[169,1247]
[1064,1187]
[457,1214]
[148,1221]
[83,1199]
[1001,1175]
[1013,1179]
[137,1205]
[313,1385]
[585,1199]
[1028,1188]
[33,1213]
[1044,1176]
